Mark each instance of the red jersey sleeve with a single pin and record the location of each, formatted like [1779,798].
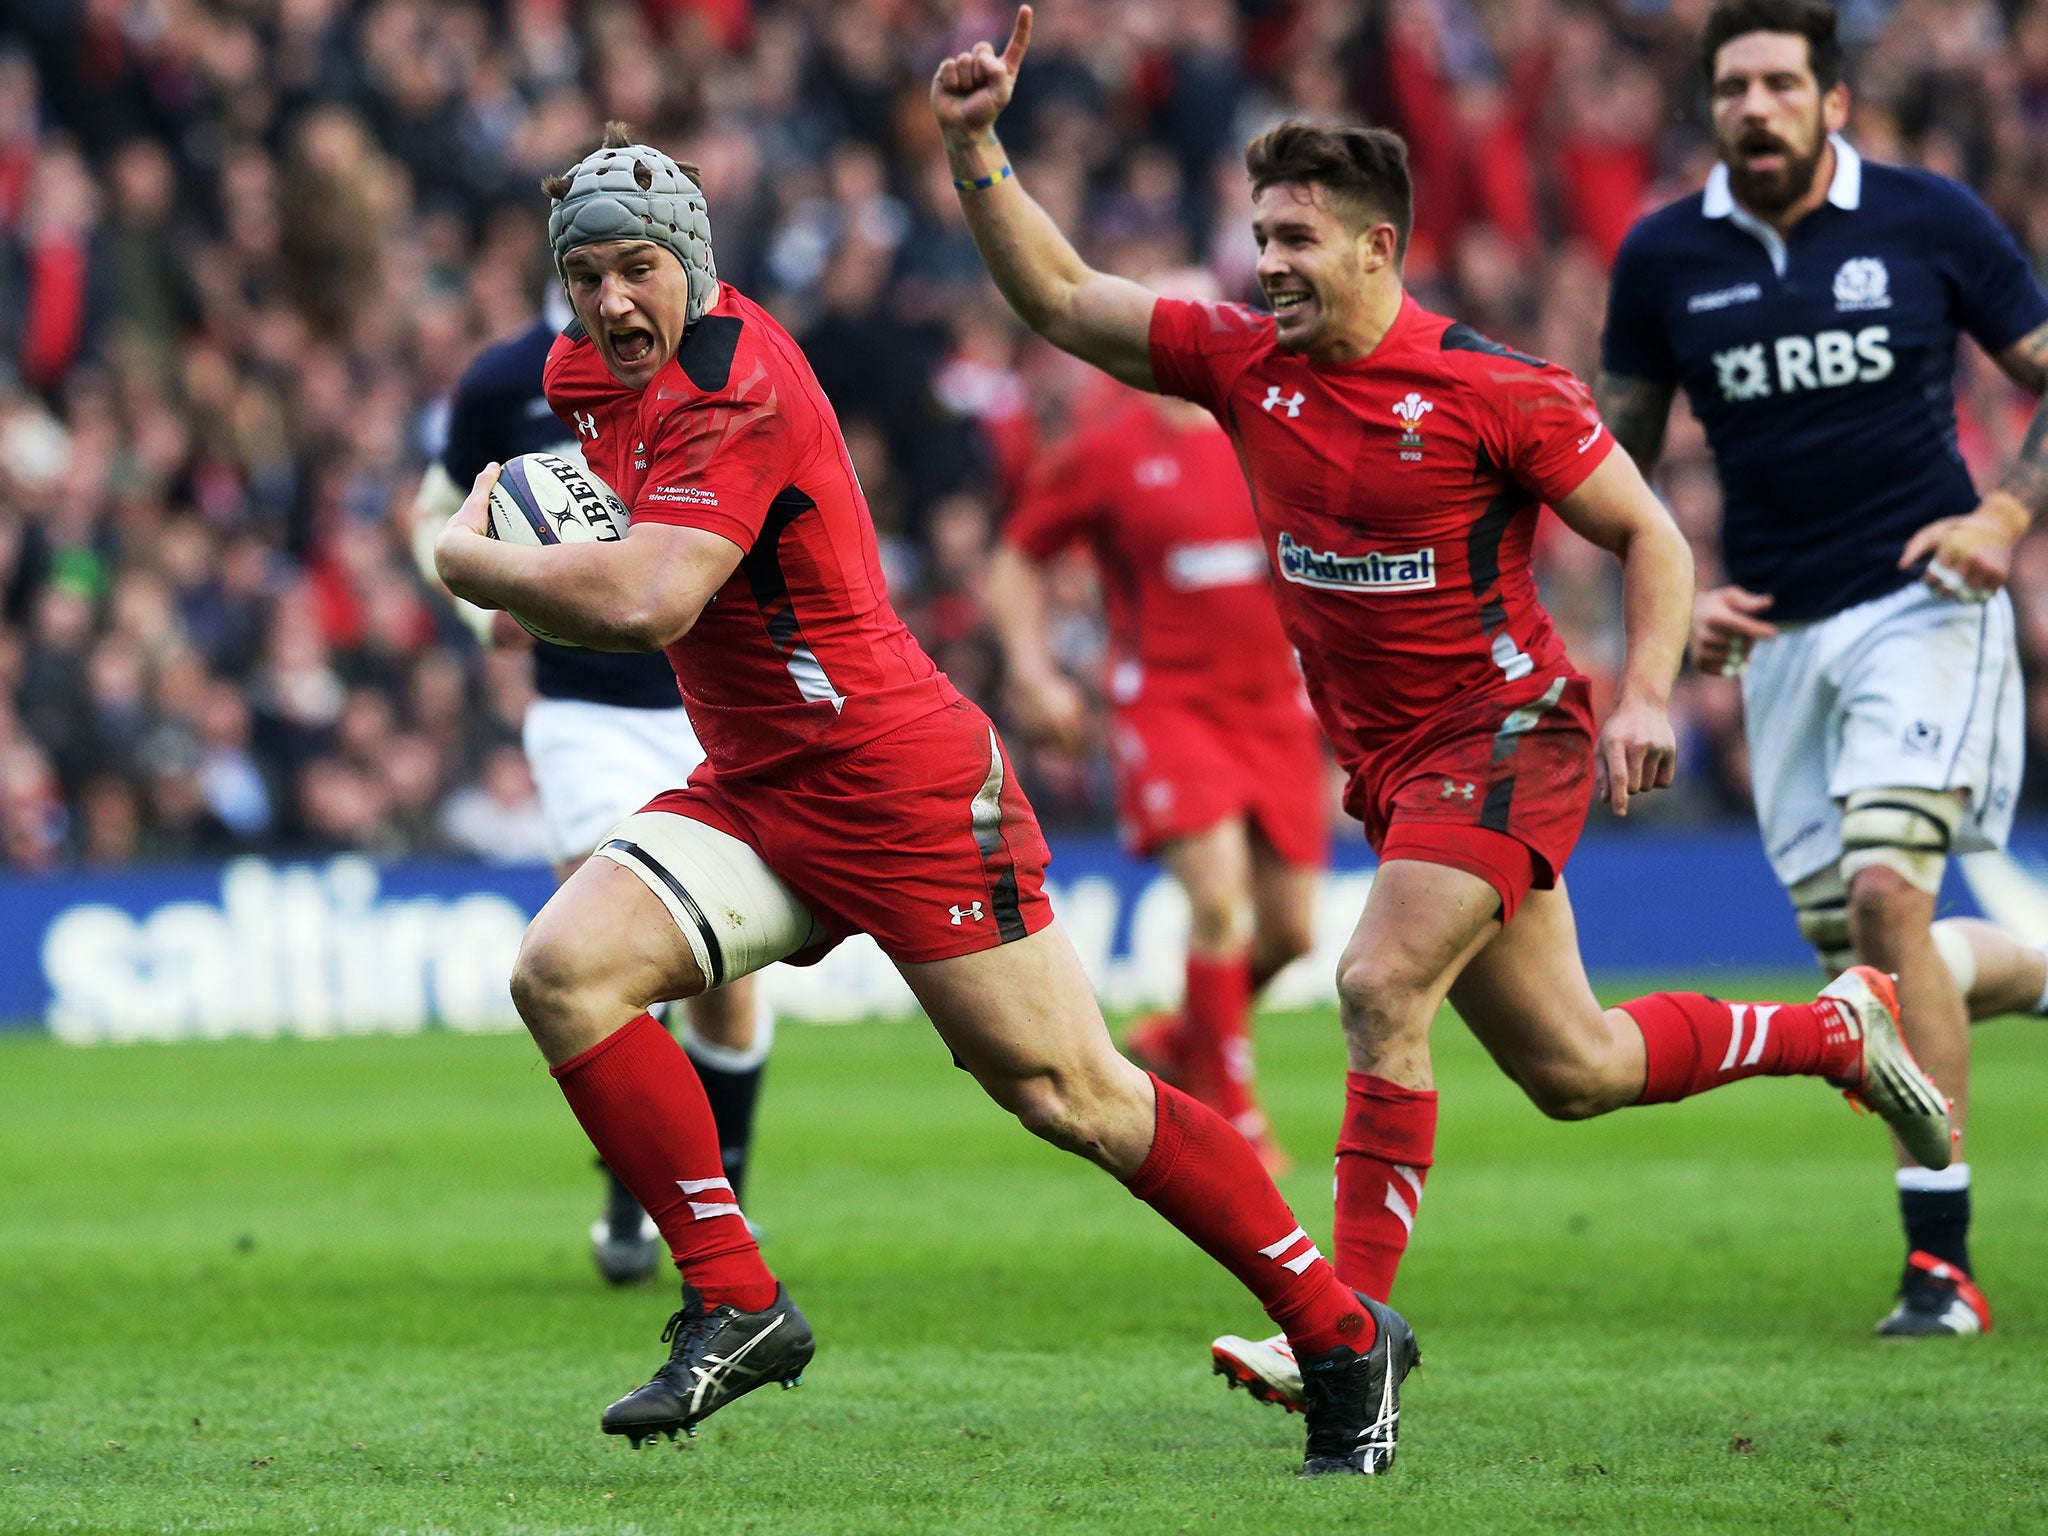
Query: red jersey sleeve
[1061,505]
[1552,436]
[1199,348]
[717,463]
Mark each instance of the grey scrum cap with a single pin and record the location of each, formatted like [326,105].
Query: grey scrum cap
[637,193]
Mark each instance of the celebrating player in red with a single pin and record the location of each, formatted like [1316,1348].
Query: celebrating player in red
[1397,461]
[848,788]
[1219,764]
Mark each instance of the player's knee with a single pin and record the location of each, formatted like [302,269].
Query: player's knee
[1377,993]
[547,977]
[1884,908]
[1278,944]
[1218,917]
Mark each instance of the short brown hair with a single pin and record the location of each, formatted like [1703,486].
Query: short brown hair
[1813,20]
[1367,167]
[616,136]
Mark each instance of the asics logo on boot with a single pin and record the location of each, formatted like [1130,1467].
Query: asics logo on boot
[712,1375]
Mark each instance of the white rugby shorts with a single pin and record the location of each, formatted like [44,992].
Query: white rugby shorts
[1911,690]
[596,764]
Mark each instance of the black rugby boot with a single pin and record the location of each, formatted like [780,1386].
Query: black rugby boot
[716,1354]
[1354,1400]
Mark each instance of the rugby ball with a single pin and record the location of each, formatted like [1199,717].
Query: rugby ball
[543,498]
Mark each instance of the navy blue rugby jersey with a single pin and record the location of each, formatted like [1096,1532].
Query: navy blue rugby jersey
[499,412]
[1822,365]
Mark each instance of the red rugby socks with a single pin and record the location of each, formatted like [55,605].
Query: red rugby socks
[1384,1150]
[1215,1034]
[640,1102]
[1693,1043]
[1204,1177]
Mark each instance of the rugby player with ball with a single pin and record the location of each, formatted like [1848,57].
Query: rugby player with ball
[848,787]
[604,734]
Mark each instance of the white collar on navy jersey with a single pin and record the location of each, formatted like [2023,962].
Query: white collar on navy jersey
[1717,201]
[1845,191]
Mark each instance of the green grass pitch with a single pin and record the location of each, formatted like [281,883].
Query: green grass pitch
[345,1286]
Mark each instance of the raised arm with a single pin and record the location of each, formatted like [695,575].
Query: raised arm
[1636,412]
[1101,319]
[1614,508]
[640,593]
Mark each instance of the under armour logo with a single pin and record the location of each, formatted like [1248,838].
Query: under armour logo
[1456,791]
[586,424]
[972,909]
[1274,397]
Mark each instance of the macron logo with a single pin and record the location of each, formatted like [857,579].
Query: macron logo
[1373,572]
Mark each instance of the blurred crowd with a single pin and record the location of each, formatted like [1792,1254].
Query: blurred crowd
[247,247]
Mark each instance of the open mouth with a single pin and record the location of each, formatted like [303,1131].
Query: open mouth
[1290,302]
[1762,154]
[632,345]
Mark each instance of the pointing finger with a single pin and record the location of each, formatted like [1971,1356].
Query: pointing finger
[1020,39]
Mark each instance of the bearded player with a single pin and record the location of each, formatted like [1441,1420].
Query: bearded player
[847,787]
[606,734]
[1810,302]
[1219,763]
[1397,461]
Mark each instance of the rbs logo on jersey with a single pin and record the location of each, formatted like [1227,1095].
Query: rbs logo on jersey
[1793,363]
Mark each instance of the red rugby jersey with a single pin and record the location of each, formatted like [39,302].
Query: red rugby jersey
[1164,509]
[800,654]
[1397,498]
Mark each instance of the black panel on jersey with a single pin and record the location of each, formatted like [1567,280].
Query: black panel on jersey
[1460,337]
[499,413]
[707,352]
[1482,550]
[763,564]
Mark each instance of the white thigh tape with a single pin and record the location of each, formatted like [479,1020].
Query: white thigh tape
[731,909]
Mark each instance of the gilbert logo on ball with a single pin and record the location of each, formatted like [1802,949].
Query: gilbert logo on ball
[542,498]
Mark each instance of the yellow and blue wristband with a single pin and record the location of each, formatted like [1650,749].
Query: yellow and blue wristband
[983,183]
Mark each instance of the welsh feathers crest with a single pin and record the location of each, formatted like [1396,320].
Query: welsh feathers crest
[1862,282]
[1409,411]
